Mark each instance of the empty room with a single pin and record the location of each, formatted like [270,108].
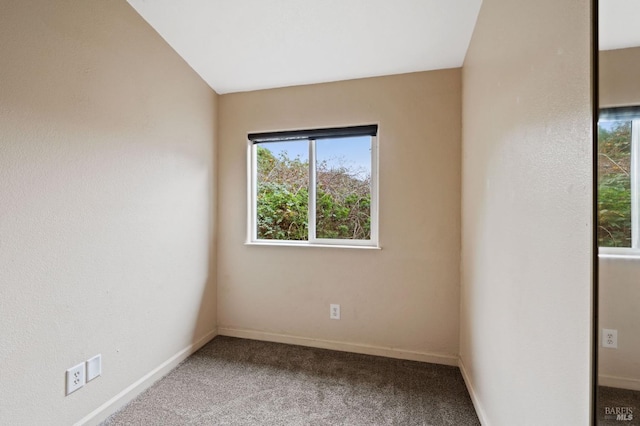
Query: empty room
[296,212]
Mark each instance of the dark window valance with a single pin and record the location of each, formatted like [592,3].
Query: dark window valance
[336,132]
[620,113]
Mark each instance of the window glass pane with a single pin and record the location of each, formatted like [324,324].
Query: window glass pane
[282,203]
[614,184]
[343,189]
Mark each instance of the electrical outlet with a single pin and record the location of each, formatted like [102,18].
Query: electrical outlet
[75,378]
[334,311]
[94,367]
[609,338]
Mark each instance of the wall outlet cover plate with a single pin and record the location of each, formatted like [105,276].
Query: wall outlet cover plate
[94,367]
[75,378]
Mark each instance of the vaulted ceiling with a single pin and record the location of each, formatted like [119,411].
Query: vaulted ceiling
[257,44]
[619,24]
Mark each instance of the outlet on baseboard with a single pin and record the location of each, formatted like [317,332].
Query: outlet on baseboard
[334,311]
[609,338]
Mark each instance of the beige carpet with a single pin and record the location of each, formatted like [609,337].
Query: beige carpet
[613,401]
[244,382]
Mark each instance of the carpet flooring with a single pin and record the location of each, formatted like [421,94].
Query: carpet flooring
[245,382]
[609,399]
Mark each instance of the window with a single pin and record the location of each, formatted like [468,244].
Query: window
[618,172]
[311,187]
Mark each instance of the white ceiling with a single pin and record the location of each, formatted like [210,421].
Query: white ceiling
[619,24]
[257,44]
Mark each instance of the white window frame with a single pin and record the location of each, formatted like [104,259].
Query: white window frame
[634,250]
[312,241]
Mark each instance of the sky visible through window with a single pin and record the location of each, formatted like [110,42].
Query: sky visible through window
[353,153]
[608,125]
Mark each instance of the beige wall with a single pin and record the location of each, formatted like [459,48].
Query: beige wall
[106,211]
[526,221]
[619,82]
[400,301]
[619,301]
[618,285]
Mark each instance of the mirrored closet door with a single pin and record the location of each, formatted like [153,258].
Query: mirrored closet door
[618,229]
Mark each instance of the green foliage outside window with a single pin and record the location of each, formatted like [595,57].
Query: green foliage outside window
[614,185]
[343,199]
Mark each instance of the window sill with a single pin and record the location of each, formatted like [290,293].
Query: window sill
[618,253]
[308,244]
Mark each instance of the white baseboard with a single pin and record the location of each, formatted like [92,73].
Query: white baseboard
[474,397]
[619,382]
[340,346]
[136,388]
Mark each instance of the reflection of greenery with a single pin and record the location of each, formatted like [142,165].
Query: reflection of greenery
[343,199]
[614,186]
